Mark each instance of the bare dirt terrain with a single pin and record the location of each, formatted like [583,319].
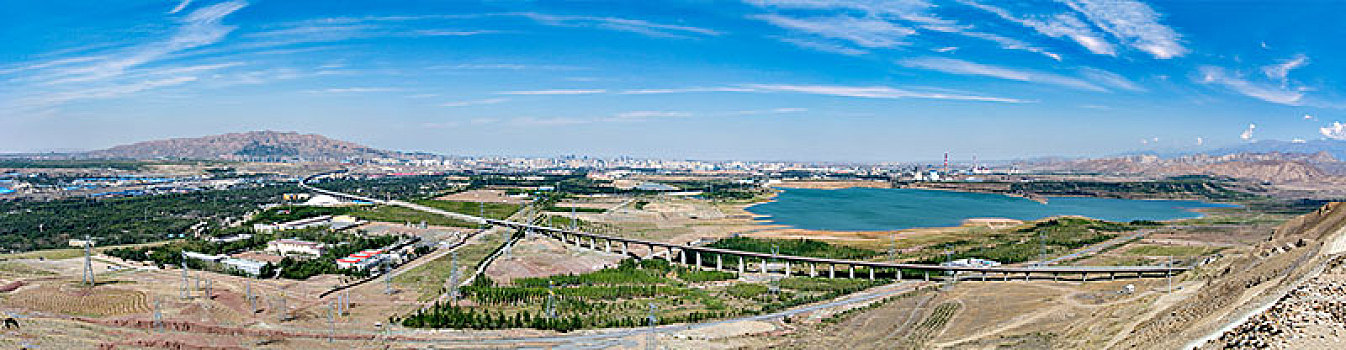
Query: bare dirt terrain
[488,196]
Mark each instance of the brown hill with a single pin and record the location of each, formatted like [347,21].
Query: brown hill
[255,145]
[1269,167]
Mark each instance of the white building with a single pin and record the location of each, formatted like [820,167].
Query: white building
[251,267]
[294,246]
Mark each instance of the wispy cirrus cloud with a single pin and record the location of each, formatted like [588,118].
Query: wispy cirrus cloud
[119,70]
[686,90]
[353,90]
[961,67]
[873,24]
[1281,71]
[1065,25]
[488,101]
[555,92]
[1263,91]
[877,92]
[865,32]
[637,26]
[1134,23]
[181,5]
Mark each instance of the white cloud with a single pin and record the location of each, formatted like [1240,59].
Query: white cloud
[1281,71]
[881,92]
[652,114]
[1309,117]
[879,23]
[619,24]
[1134,23]
[1265,92]
[769,111]
[954,66]
[823,46]
[353,90]
[945,49]
[101,92]
[181,5]
[1248,133]
[555,92]
[487,101]
[865,32]
[1336,131]
[1061,25]
[1297,140]
[1200,141]
[686,90]
[1110,79]
[530,121]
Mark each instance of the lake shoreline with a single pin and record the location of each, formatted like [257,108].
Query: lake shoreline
[1153,210]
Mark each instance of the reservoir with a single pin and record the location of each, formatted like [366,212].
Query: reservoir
[877,209]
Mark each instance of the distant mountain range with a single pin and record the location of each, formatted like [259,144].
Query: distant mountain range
[1337,148]
[255,146]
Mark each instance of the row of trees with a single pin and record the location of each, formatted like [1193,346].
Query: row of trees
[796,247]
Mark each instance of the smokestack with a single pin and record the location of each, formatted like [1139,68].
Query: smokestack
[946,163]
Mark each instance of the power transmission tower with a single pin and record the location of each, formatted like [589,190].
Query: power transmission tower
[1042,242]
[158,316]
[182,292]
[573,224]
[551,300]
[88,261]
[252,302]
[387,280]
[331,321]
[651,339]
[453,279]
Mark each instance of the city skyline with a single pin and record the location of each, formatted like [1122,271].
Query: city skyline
[804,80]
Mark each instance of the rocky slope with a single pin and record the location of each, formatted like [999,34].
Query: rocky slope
[1268,167]
[256,145]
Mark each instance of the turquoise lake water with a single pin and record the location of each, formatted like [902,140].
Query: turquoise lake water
[877,209]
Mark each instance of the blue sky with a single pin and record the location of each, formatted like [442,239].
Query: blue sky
[756,80]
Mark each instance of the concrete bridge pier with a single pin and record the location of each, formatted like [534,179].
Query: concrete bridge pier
[1056,277]
[719,262]
[607,246]
[813,270]
[682,256]
[1112,276]
[1025,276]
[787,268]
[898,274]
[669,256]
[698,260]
[831,271]
[740,265]
[763,266]
[625,248]
[852,267]
[871,273]
[1006,275]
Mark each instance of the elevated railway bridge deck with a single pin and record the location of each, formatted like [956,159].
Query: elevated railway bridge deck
[785,264]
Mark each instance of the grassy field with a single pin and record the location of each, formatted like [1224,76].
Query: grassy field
[400,215]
